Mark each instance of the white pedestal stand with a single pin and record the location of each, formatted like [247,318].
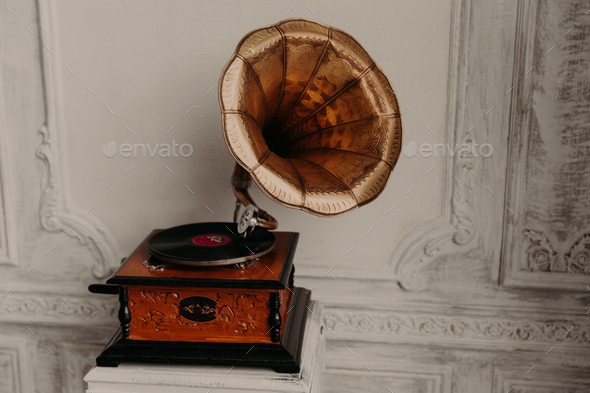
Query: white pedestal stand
[158,378]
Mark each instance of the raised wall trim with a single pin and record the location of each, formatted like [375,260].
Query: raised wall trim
[431,378]
[14,371]
[55,213]
[542,380]
[7,220]
[440,329]
[56,308]
[546,240]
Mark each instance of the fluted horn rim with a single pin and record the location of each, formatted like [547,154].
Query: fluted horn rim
[310,116]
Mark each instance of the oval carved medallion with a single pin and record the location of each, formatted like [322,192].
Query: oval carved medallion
[198,308]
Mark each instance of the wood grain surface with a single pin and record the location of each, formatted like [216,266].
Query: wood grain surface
[240,315]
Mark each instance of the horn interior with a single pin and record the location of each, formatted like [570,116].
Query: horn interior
[310,116]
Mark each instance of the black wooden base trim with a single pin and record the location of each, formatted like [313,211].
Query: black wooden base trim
[284,357]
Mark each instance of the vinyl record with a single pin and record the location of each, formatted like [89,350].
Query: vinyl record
[209,244]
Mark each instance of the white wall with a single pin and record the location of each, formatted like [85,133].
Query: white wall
[151,62]
[439,296]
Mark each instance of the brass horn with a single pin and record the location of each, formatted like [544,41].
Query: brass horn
[310,117]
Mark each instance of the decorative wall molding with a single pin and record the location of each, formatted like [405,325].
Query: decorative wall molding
[549,233]
[7,220]
[59,308]
[9,370]
[541,257]
[543,380]
[7,228]
[55,213]
[391,326]
[578,257]
[56,216]
[14,372]
[343,376]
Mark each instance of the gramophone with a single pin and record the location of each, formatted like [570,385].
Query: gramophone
[314,122]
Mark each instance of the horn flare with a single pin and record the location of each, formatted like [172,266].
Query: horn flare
[310,116]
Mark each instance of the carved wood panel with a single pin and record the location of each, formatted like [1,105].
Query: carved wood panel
[547,219]
[197,314]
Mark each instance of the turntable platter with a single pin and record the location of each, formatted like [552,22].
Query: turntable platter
[209,244]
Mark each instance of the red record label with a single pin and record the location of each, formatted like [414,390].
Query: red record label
[210,240]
